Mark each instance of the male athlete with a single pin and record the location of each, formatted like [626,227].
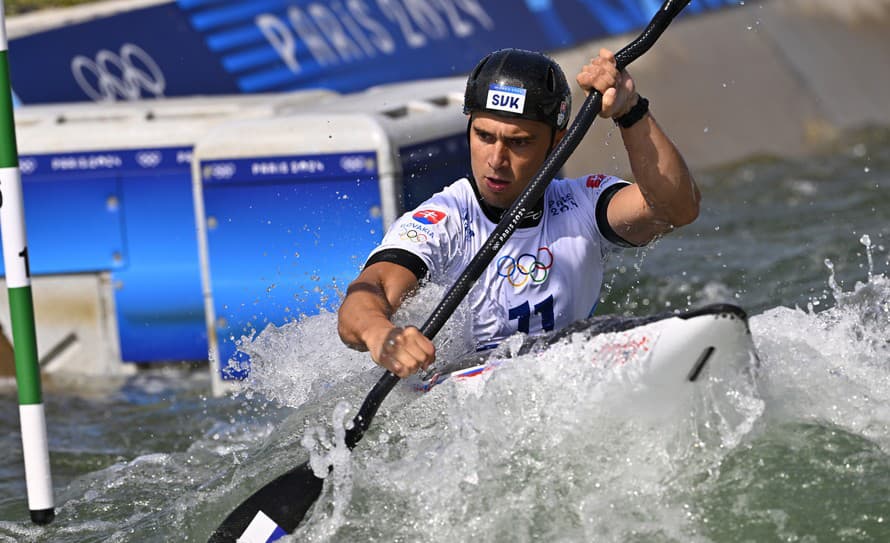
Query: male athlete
[549,273]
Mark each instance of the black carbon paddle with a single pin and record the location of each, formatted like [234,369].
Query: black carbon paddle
[286,500]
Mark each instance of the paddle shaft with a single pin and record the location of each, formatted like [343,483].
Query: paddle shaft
[533,192]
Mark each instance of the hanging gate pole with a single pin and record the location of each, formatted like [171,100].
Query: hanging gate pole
[35,448]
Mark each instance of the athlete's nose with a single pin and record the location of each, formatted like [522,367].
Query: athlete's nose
[497,157]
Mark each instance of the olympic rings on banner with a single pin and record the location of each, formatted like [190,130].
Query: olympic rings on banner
[414,236]
[119,76]
[517,271]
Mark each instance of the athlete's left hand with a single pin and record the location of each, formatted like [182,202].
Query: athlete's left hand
[618,89]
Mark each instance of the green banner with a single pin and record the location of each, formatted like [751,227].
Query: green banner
[8,155]
[24,340]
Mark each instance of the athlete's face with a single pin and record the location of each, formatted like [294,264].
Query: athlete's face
[505,154]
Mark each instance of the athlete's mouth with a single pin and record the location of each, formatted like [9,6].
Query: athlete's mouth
[496,184]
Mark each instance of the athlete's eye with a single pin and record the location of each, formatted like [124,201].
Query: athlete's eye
[519,142]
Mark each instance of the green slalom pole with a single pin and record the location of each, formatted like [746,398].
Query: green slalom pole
[35,447]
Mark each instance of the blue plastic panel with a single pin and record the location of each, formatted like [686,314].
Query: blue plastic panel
[286,235]
[129,212]
[72,212]
[160,309]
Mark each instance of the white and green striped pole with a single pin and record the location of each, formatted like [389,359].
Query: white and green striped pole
[35,448]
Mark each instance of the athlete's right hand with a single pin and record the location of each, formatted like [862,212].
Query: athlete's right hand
[403,351]
[617,87]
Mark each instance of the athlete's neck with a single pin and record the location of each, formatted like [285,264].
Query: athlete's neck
[531,218]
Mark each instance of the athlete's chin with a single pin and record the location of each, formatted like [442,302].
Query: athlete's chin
[497,193]
[497,199]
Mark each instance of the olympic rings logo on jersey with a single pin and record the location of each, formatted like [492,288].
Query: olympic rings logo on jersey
[119,76]
[413,236]
[518,271]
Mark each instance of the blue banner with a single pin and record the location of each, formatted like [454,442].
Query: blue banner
[238,46]
[66,165]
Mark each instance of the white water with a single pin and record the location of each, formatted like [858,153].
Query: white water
[555,448]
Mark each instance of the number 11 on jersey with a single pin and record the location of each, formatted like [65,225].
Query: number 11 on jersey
[523,313]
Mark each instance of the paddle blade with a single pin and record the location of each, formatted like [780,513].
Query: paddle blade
[272,511]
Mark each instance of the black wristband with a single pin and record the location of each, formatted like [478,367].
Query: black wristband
[635,114]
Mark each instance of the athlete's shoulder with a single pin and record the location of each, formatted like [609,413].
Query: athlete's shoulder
[589,186]
[444,208]
[593,181]
[454,198]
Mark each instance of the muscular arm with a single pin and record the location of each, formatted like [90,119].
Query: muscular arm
[364,319]
[665,195]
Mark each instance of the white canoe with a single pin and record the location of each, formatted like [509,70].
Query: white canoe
[667,350]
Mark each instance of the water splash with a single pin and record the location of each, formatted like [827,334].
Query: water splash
[552,448]
[555,445]
[817,462]
[831,365]
[300,361]
[331,460]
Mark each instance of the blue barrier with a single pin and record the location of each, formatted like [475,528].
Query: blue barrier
[129,212]
[120,202]
[287,234]
[72,205]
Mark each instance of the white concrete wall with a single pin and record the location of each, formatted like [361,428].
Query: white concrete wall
[75,323]
[777,76]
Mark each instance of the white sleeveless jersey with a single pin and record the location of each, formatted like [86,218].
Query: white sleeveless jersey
[544,277]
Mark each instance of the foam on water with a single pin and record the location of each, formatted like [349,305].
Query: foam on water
[818,464]
[563,445]
[555,447]
[832,366]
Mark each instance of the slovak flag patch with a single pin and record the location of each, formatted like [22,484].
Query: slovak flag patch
[428,216]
